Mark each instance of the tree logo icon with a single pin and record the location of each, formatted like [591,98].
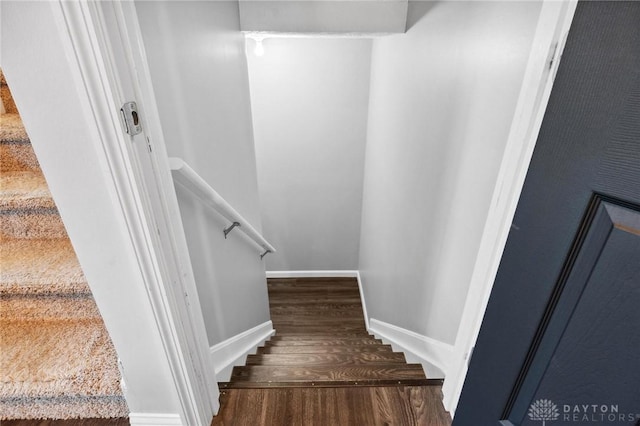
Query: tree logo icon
[544,409]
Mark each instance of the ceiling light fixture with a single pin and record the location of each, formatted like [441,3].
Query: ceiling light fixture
[259,49]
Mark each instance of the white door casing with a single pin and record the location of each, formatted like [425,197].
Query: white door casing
[109,50]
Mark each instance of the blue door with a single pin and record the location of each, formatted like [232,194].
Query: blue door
[560,341]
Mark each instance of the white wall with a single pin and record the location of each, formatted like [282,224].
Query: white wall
[441,103]
[310,100]
[40,67]
[199,72]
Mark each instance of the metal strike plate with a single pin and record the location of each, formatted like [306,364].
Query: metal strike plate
[131,119]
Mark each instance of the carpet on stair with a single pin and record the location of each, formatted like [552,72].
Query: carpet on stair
[57,360]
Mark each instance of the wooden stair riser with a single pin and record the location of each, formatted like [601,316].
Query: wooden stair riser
[328,300]
[343,330]
[313,349]
[337,311]
[328,384]
[324,336]
[324,342]
[312,282]
[348,359]
[310,321]
[313,289]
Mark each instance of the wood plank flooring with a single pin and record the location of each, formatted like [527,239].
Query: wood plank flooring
[323,368]
[362,406]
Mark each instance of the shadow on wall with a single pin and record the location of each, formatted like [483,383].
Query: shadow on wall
[417,11]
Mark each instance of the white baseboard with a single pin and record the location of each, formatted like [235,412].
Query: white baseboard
[362,300]
[154,419]
[233,351]
[312,274]
[431,353]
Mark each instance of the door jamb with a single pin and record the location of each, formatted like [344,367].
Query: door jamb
[548,43]
[85,27]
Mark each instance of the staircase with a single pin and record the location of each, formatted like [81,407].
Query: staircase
[321,341]
[56,358]
[323,367]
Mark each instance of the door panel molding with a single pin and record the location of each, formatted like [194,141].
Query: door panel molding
[602,215]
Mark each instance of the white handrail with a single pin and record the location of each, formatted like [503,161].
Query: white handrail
[188,178]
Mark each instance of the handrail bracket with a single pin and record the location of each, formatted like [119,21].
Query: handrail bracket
[230,228]
[264,254]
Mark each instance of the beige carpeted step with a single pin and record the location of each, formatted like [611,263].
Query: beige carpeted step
[69,368]
[48,308]
[24,190]
[16,152]
[12,129]
[26,207]
[40,267]
[56,358]
[5,94]
[17,157]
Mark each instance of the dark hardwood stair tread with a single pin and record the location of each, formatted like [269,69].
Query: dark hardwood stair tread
[275,284]
[312,316]
[259,373]
[291,329]
[318,335]
[319,322]
[313,349]
[309,315]
[323,336]
[311,287]
[312,292]
[349,359]
[324,308]
[324,342]
[330,384]
[326,335]
[337,300]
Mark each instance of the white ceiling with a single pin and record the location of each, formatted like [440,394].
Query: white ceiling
[328,17]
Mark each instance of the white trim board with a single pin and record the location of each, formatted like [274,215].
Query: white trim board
[154,419]
[433,354]
[170,274]
[362,301]
[312,274]
[95,50]
[327,274]
[233,351]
